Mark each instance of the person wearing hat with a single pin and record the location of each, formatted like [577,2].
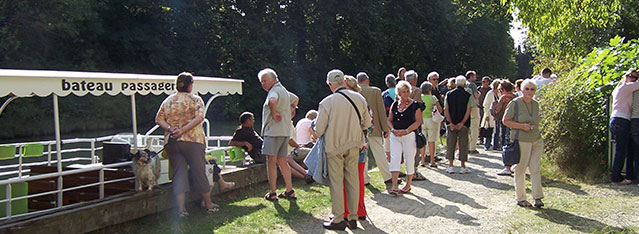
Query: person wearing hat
[342,119]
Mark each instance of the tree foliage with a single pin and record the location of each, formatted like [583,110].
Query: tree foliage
[300,39]
[576,109]
[571,28]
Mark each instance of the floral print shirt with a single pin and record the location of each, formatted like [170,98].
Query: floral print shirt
[178,110]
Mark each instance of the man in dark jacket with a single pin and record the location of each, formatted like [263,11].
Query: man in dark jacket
[457,110]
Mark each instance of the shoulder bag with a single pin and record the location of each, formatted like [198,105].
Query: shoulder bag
[511,152]
[437,117]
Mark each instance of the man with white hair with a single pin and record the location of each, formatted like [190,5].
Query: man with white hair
[342,118]
[276,129]
[373,96]
[415,94]
[457,110]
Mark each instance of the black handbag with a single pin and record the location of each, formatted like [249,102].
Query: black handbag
[511,152]
[420,139]
[485,132]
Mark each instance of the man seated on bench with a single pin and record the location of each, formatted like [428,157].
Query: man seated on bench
[246,137]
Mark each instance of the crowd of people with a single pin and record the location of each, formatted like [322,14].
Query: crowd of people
[401,124]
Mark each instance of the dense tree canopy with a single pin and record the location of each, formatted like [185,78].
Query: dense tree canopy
[572,28]
[300,39]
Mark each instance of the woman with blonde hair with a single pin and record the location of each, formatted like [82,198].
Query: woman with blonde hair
[404,117]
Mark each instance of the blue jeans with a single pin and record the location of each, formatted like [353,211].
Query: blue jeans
[620,129]
[501,132]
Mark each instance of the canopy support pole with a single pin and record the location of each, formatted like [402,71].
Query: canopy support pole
[58,146]
[135,124]
[6,103]
[206,109]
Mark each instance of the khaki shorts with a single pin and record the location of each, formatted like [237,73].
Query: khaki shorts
[430,129]
[300,154]
[275,146]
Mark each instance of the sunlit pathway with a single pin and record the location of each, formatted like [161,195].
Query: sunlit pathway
[456,203]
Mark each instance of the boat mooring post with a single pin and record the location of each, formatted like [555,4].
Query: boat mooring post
[58,146]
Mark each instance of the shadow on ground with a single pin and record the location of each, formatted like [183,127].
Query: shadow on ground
[577,223]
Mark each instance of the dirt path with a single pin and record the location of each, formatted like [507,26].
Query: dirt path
[480,202]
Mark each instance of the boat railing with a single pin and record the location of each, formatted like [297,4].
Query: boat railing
[60,187]
[154,142]
[49,151]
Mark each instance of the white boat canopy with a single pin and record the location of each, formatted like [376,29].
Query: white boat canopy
[42,83]
[25,83]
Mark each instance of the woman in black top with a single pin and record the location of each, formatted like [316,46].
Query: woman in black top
[404,117]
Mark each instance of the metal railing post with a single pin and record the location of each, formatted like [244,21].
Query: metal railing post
[8,204]
[48,154]
[101,183]
[60,187]
[93,151]
[20,161]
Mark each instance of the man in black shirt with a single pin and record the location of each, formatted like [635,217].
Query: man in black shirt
[457,111]
[246,137]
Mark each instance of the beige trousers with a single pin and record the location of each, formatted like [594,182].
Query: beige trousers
[377,148]
[342,173]
[531,159]
[474,128]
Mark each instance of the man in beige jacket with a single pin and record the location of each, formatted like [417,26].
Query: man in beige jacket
[373,96]
[342,127]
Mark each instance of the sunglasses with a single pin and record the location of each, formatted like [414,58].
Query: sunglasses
[529,89]
[434,79]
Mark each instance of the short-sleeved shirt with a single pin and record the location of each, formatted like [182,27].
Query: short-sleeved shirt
[402,120]
[178,110]
[303,132]
[528,113]
[471,88]
[270,127]
[429,101]
[249,135]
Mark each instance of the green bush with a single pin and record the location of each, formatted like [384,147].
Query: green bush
[575,110]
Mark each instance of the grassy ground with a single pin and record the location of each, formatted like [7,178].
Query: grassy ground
[246,211]
[571,207]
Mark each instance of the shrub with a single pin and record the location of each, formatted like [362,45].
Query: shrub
[576,110]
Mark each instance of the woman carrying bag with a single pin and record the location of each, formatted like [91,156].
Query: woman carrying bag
[523,122]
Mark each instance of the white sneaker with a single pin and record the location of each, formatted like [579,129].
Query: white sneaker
[450,170]
[464,170]
[505,172]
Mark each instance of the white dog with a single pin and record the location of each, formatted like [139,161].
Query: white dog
[147,167]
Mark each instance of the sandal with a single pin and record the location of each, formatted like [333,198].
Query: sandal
[288,195]
[394,192]
[183,214]
[433,165]
[203,204]
[212,210]
[405,191]
[271,196]
[524,203]
[229,186]
[539,203]
[418,176]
